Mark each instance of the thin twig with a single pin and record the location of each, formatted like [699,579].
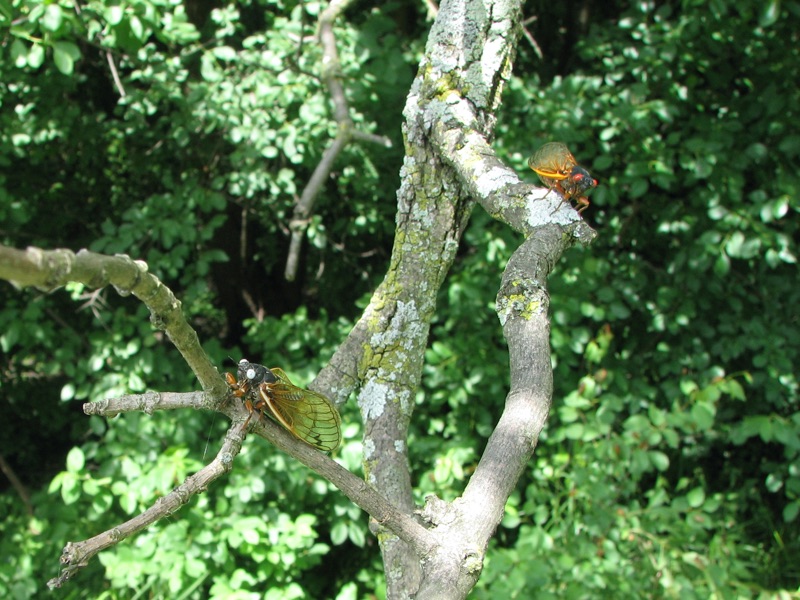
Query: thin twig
[148,402]
[77,555]
[20,488]
[115,74]
[532,41]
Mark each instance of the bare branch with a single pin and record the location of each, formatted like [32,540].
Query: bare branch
[148,403]
[75,556]
[17,484]
[48,269]
[529,36]
[332,77]
[115,74]
[522,306]
[303,208]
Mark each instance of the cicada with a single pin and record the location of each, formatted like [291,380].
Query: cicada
[558,170]
[307,415]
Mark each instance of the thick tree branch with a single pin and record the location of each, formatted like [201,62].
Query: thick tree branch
[469,49]
[522,305]
[467,61]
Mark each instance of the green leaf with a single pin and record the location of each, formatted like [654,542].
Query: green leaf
[702,415]
[64,56]
[769,13]
[660,460]
[339,533]
[67,392]
[75,460]
[70,489]
[696,497]
[52,18]
[36,56]
[574,431]
[251,536]
[208,68]
[735,390]
[6,12]
[114,14]
[224,53]
[137,28]
[790,511]
[722,265]
[19,53]
[356,534]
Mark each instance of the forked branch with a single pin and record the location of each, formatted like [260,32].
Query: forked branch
[332,77]
[51,269]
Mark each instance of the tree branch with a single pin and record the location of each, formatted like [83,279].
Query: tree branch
[331,76]
[51,269]
[18,486]
[75,556]
[148,403]
[48,269]
[451,108]
[522,306]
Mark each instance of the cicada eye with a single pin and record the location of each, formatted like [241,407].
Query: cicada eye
[251,374]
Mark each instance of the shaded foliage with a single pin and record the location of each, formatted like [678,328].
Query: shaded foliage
[669,465]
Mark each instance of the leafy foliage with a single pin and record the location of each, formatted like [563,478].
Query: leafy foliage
[670,463]
[676,322]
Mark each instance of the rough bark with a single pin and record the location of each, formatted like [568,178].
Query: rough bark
[449,164]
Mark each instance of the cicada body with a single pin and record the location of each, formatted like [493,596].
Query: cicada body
[558,170]
[307,415]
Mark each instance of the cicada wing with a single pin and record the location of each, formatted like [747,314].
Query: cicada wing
[553,156]
[281,375]
[552,162]
[549,178]
[308,415]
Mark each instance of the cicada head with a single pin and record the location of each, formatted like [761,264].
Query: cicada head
[578,182]
[254,374]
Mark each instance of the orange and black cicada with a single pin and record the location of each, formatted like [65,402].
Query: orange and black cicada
[307,415]
[558,170]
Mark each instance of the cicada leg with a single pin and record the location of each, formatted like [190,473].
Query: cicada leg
[564,196]
[252,409]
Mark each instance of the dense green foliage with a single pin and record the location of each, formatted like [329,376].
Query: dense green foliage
[671,462]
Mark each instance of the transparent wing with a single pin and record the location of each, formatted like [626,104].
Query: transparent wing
[552,163]
[308,415]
